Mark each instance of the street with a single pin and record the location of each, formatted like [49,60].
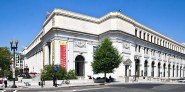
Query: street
[114,88]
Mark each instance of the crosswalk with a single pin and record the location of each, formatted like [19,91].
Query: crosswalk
[6,91]
[167,87]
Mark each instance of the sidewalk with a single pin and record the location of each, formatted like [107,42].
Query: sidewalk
[75,83]
[49,84]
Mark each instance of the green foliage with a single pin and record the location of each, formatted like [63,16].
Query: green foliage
[48,72]
[5,60]
[61,74]
[71,75]
[106,58]
[8,74]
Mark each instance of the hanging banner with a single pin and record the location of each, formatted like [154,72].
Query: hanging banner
[63,54]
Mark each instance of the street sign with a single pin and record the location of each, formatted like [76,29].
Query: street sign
[55,68]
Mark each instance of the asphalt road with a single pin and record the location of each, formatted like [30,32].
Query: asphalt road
[115,88]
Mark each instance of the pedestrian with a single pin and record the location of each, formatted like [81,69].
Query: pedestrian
[110,78]
[5,81]
[54,80]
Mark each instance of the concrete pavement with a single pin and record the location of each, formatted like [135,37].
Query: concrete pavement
[74,83]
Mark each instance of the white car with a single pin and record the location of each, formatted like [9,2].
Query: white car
[182,80]
[2,86]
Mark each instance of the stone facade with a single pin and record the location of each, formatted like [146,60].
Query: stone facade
[70,39]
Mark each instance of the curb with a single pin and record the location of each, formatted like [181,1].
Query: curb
[29,88]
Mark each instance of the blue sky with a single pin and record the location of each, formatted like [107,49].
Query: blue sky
[23,19]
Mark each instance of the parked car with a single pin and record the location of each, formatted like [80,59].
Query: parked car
[2,86]
[181,80]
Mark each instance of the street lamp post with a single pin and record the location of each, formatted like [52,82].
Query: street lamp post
[14,48]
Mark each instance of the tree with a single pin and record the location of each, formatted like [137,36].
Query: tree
[106,58]
[5,59]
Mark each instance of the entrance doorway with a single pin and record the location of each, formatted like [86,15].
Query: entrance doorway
[159,67]
[137,67]
[153,65]
[146,68]
[164,68]
[126,70]
[169,70]
[173,69]
[177,71]
[79,65]
[180,71]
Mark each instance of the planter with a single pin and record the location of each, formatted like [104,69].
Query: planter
[26,80]
[20,79]
[99,80]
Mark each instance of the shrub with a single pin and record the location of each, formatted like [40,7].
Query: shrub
[48,72]
[61,74]
[71,75]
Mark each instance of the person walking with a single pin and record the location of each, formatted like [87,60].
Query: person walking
[5,81]
[54,80]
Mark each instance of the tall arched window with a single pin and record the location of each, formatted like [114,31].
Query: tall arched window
[144,36]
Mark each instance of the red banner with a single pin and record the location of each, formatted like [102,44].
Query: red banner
[63,54]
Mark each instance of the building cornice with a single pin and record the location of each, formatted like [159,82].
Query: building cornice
[106,17]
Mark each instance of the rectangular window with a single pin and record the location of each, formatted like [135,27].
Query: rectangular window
[144,36]
[136,48]
[139,48]
[154,52]
[151,38]
[94,50]
[140,34]
[148,37]
[136,32]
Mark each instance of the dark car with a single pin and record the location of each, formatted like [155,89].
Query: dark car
[2,86]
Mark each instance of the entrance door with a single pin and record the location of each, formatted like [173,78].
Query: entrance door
[153,65]
[79,65]
[159,67]
[126,73]
[137,68]
[146,68]
[169,70]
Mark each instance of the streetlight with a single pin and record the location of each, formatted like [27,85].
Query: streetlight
[14,48]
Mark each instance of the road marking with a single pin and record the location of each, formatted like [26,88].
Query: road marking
[15,91]
[90,89]
[3,90]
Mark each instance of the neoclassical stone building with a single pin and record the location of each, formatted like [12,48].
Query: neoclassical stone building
[69,39]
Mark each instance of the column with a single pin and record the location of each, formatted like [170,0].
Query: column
[156,69]
[175,71]
[161,69]
[46,56]
[57,51]
[142,61]
[171,71]
[166,70]
[149,68]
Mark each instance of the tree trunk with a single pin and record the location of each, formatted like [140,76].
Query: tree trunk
[105,77]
